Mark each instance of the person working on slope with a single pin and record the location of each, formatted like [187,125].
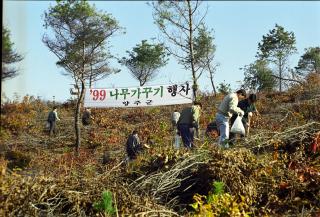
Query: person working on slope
[52,118]
[188,121]
[228,107]
[248,106]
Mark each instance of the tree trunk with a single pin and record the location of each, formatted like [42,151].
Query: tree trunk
[212,83]
[194,77]
[280,76]
[211,71]
[90,79]
[77,117]
[78,107]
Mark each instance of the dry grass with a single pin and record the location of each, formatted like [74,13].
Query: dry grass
[273,169]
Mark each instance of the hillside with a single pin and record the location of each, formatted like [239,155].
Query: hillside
[273,172]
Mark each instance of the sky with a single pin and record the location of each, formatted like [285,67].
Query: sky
[238,28]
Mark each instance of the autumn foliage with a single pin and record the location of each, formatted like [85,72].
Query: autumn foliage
[273,172]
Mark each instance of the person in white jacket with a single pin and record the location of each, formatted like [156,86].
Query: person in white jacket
[176,135]
[174,120]
[228,106]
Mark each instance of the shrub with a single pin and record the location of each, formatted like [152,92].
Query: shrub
[105,205]
[218,203]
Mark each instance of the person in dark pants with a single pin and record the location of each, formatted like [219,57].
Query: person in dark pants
[133,145]
[248,106]
[86,117]
[188,121]
[52,118]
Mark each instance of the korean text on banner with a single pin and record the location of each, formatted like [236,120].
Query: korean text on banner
[139,96]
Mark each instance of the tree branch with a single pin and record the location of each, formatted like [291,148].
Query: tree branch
[287,79]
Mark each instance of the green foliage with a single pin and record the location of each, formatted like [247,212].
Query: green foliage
[203,46]
[163,126]
[276,47]
[9,56]
[105,205]
[224,88]
[144,61]
[277,44]
[218,187]
[309,61]
[80,38]
[258,77]
[198,98]
[6,42]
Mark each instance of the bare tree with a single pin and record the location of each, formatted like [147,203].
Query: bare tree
[204,53]
[80,36]
[179,22]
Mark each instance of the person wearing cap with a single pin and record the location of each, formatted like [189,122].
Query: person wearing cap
[188,121]
[228,106]
[248,106]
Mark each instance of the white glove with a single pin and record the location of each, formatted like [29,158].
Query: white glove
[241,113]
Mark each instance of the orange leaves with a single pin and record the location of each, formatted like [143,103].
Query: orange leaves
[19,117]
[316,143]
[313,81]
[69,162]
[213,134]
[276,144]
[292,165]
[275,155]
[3,166]
[304,172]
[114,139]
[314,147]
[301,178]
[283,185]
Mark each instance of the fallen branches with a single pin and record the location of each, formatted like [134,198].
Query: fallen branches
[291,135]
[161,184]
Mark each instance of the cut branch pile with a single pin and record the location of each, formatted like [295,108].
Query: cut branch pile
[162,184]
